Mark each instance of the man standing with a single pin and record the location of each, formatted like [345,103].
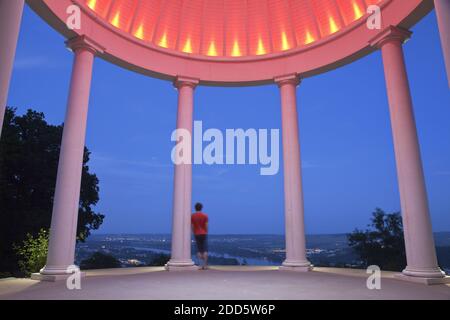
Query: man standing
[199,221]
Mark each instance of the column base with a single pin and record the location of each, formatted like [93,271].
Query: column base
[299,266]
[424,273]
[53,277]
[181,266]
[424,276]
[422,280]
[53,274]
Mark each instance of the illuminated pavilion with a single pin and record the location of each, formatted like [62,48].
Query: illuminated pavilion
[234,43]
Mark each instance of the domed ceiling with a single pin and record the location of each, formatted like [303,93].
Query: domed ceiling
[230,42]
[230,28]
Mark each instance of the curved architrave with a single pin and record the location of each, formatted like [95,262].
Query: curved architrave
[345,46]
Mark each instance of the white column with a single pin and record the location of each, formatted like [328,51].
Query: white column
[10,18]
[419,242]
[182,196]
[63,228]
[293,194]
[443,18]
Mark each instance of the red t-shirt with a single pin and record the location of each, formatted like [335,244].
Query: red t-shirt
[199,221]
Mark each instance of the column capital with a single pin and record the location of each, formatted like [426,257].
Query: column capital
[84,43]
[181,81]
[390,34]
[293,79]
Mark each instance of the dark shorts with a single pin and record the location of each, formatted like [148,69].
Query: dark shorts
[202,243]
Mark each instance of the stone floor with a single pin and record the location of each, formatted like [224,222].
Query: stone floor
[241,283]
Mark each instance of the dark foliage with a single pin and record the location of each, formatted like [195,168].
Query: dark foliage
[383,243]
[29,153]
[100,260]
[159,260]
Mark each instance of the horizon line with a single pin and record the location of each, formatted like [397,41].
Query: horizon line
[230,234]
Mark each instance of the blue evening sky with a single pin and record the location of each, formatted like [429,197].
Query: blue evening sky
[346,141]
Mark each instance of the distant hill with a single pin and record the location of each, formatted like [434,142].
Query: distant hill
[263,249]
[442,239]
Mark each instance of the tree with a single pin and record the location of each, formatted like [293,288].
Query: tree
[383,243]
[100,260]
[33,253]
[29,154]
[159,260]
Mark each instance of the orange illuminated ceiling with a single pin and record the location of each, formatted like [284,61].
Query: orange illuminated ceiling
[231,28]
